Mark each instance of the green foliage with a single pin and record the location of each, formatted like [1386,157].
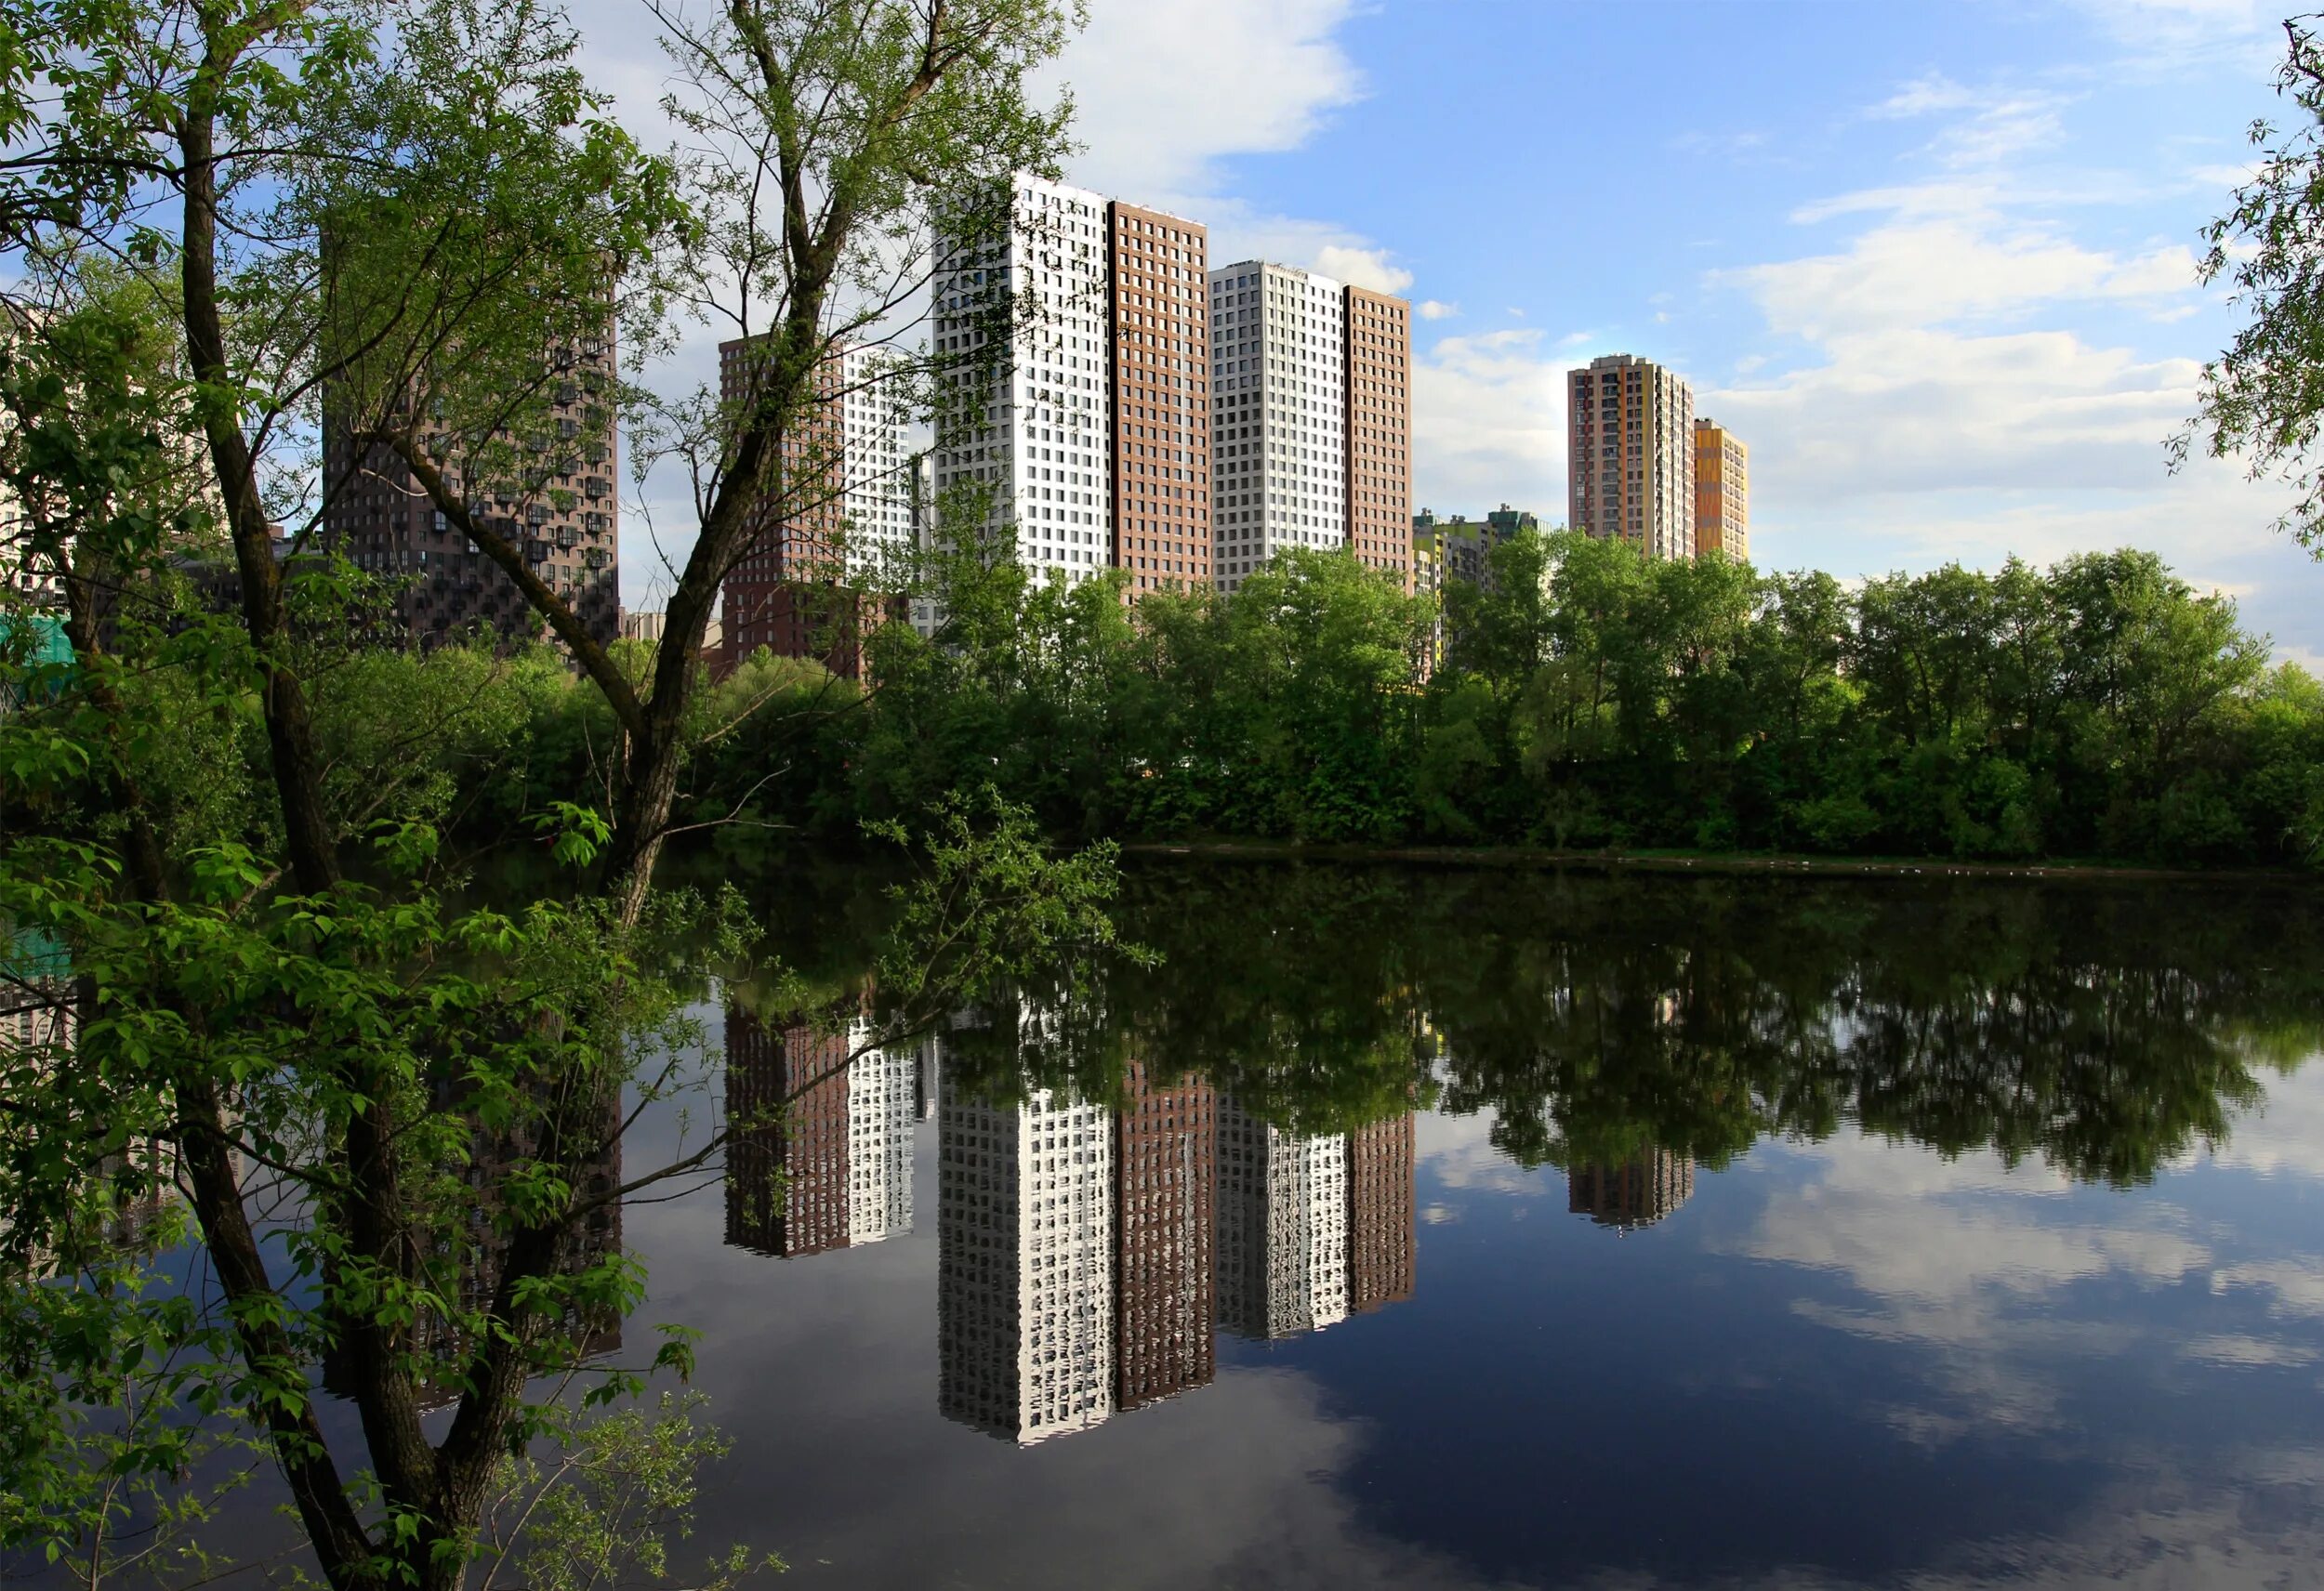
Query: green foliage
[2262,399]
[2100,1029]
[606,1510]
[1588,697]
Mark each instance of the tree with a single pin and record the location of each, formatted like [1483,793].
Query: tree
[402,218]
[2263,395]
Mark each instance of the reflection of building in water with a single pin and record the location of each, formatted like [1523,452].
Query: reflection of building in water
[882,1102]
[821,1154]
[1025,1294]
[1281,1228]
[1166,1140]
[1637,1195]
[1380,1243]
[40,1016]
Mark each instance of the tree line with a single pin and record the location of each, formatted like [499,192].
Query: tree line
[1584,697]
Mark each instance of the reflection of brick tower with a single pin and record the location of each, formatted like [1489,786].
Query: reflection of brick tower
[790,1090]
[1637,1195]
[1380,1248]
[1166,1169]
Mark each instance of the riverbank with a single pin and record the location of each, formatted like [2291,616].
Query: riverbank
[1689,861]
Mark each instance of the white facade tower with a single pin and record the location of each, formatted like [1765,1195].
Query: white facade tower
[1278,415]
[877,491]
[1024,1299]
[1042,437]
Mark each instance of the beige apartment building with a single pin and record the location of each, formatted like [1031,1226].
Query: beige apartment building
[1631,453]
[1723,491]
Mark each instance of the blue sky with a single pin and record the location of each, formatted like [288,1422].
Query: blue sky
[1932,261]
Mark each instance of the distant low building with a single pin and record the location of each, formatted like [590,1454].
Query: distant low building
[1461,548]
[641,626]
[1636,1194]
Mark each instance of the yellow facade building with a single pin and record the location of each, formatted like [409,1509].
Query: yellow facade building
[1723,491]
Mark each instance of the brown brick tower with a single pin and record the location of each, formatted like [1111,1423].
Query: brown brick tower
[1379,367]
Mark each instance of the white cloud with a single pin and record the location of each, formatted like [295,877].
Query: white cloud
[1226,79]
[2283,1134]
[1489,424]
[2297,1285]
[1987,126]
[1458,1152]
[2247,1353]
[1915,272]
[1163,92]
[1961,1261]
[1435,309]
[1919,410]
[1361,268]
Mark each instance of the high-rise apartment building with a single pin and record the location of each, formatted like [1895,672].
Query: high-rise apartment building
[1278,414]
[554,495]
[1039,436]
[1165,1140]
[1382,1248]
[1630,455]
[1461,548]
[1161,394]
[1379,370]
[1723,491]
[836,526]
[1026,1271]
[1311,418]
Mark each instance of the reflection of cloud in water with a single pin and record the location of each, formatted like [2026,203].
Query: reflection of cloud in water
[2248,1352]
[1458,1152]
[2297,1285]
[1965,1278]
[2283,1134]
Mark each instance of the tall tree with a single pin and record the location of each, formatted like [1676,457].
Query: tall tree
[402,214]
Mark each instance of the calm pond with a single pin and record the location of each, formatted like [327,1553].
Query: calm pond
[1490,1228]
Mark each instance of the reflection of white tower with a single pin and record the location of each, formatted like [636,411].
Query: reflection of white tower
[1283,1228]
[881,1085]
[1024,1300]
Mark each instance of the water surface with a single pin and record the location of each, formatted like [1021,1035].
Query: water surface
[1473,1229]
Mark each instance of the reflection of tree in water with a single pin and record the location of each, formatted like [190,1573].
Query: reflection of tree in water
[2100,1026]
[2103,1027]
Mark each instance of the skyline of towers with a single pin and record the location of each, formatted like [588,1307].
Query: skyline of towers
[1311,418]
[1630,455]
[1285,388]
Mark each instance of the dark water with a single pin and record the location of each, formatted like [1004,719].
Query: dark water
[1500,1229]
